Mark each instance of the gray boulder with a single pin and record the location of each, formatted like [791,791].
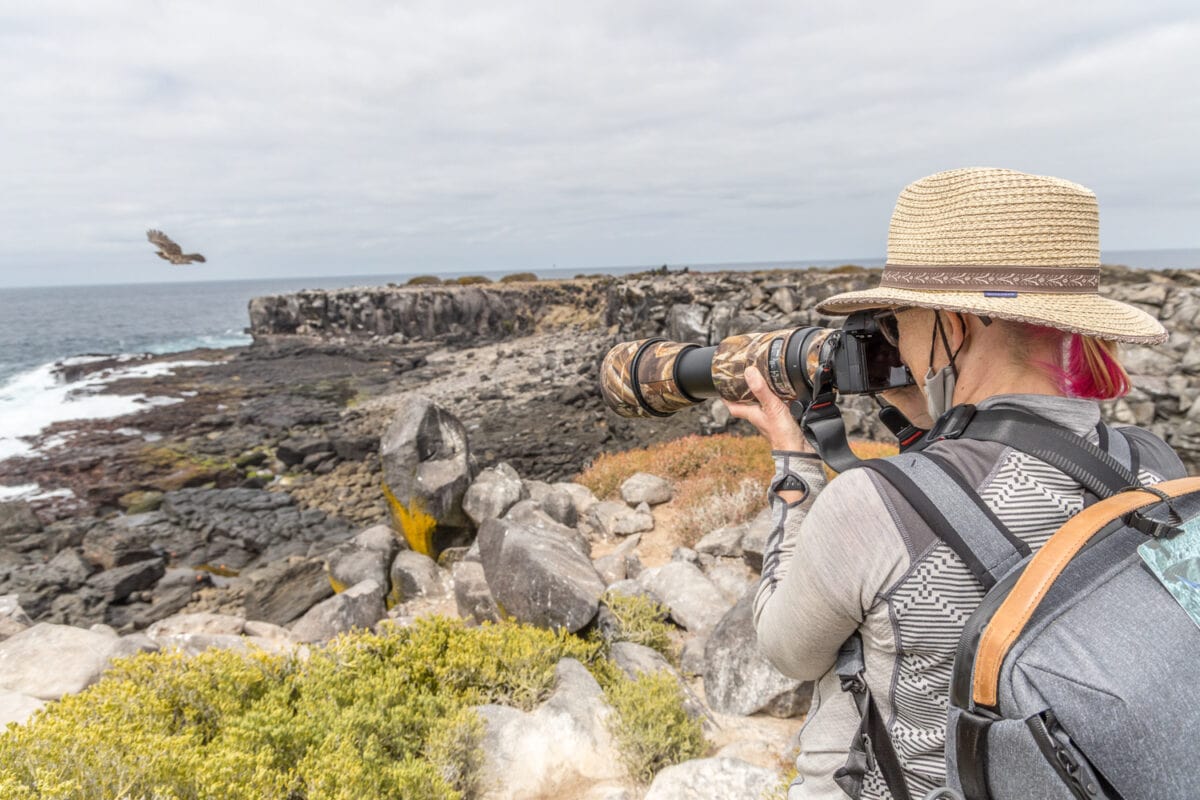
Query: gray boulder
[48,661]
[754,540]
[380,538]
[726,778]
[581,496]
[732,577]
[528,512]
[618,519]
[494,491]
[360,606]
[350,564]
[555,501]
[552,751]
[13,618]
[738,679]
[427,468]
[472,596]
[283,591]
[17,707]
[538,576]
[636,659]
[693,600]
[414,575]
[688,322]
[723,541]
[642,487]
[118,583]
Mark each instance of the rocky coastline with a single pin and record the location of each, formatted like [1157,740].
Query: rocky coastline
[385,453]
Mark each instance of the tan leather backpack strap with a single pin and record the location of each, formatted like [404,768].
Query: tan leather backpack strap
[1041,573]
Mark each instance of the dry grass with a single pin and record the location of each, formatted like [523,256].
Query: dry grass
[719,480]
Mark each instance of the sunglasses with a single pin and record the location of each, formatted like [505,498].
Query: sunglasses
[888,326]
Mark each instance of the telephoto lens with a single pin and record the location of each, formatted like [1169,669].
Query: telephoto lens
[656,378]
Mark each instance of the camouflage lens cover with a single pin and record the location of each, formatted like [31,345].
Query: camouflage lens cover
[736,354]
[653,391]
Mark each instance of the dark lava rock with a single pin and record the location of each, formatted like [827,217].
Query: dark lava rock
[285,590]
[260,524]
[118,583]
[427,466]
[539,576]
[284,411]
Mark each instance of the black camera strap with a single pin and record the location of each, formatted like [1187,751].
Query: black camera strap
[823,425]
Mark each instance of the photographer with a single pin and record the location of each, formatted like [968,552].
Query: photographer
[990,293]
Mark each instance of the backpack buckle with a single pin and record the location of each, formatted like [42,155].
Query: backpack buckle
[953,423]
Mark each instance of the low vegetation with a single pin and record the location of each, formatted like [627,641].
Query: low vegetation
[423,280]
[470,280]
[519,277]
[719,480]
[369,715]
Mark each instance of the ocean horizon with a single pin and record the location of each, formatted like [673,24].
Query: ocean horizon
[43,326]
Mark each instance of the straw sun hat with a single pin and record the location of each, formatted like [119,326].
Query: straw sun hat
[1002,244]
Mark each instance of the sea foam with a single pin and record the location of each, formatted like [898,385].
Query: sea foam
[30,401]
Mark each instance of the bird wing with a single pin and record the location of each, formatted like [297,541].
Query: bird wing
[163,242]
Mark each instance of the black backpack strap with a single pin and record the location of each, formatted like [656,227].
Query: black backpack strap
[931,486]
[872,745]
[1098,471]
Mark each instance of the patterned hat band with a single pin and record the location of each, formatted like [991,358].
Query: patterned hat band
[1043,280]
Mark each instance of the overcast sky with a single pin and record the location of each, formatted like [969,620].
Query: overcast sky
[308,138]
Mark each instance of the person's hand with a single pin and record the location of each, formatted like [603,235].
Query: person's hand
[770,416]
[911,402]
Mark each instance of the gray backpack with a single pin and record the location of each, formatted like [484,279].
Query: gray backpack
[1079,674]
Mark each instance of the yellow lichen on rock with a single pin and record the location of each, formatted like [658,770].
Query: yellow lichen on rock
[412,521]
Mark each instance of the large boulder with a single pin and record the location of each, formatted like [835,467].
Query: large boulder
[558,503]
[472,596]
[360,606]
[17,707]
[738,679]
[642,487]
[529,512]
[539,576]
[618,519]
[350,564]
[427,468]
[754,539]
[283,591]
[694,601]
[494,492]
[414,575]
[13,618]
[48,661]
[727,778]
[553,750]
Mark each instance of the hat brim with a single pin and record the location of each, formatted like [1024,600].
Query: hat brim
[1086,314]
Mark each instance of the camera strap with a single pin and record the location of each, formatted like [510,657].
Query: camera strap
[823,425]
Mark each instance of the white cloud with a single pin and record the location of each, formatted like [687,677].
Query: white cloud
[354,137]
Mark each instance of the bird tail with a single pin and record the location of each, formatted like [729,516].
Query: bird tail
[195,257]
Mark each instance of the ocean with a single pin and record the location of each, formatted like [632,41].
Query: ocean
[42,326]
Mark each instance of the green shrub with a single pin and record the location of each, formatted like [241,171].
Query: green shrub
[470,280]
[847,269]
[519,277]
[368,715]
[423,280]
[642,621]
[650,725]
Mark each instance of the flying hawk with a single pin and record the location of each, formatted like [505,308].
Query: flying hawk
[171,251]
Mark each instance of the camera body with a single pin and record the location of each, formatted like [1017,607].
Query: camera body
[655,378]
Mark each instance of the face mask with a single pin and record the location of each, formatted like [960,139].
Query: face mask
[939,386]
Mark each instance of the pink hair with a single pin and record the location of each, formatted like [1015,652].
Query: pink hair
[1091,368]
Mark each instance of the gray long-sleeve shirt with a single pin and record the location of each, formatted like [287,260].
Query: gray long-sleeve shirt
[853,556]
